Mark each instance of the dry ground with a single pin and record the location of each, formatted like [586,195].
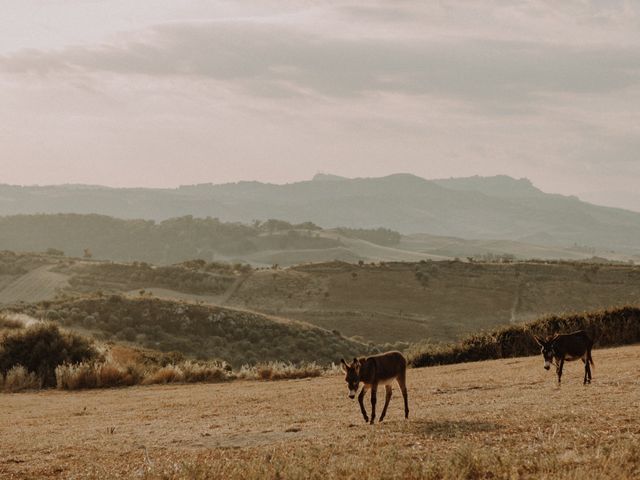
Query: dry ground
[494,419]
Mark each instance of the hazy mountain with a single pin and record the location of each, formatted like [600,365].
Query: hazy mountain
[477,207]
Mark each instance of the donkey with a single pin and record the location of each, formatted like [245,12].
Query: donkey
[377,370]
[567,346]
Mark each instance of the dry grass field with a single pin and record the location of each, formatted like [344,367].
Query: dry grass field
[38,284]
[494,419]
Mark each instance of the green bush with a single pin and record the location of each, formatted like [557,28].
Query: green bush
[41,348]
[618,326]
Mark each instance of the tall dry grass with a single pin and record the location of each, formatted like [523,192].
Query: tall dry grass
[282,371]
[19,379]
[110,373]
[7,323]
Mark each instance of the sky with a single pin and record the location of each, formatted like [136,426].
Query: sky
[165,93]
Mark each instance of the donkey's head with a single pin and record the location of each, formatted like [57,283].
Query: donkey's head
[546,348]
[352,376]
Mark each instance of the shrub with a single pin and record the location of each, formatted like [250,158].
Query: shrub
[41,348]
[618,326]
[281,371]
[10,323]
[168,374]
[96,375]
[18,379]
[205,372]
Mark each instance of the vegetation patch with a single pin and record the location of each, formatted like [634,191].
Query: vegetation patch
[198,331]
[113,277]
[39,350]
[620,326]
[379,236]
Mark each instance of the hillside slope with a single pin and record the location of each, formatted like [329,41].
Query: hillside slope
[200,331]
[260,244]
[493,207]
[434,300]
[494,419]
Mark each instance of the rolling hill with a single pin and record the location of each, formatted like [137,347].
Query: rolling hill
[482,208]
[382,302]
[440,301]
[259,243]
[195,330]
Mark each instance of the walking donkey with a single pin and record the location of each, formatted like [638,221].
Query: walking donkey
[373,371]
[567,346]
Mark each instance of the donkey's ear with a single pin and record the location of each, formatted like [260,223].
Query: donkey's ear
[343,364]
[538,340]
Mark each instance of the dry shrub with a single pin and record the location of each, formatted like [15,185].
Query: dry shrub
[204,372]
[41,348]
[96,375]
[190,372]
[281,371]
[168,374]
[10,323]
[18,379]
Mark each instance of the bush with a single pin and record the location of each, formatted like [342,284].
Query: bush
[10,323]
[18,379]
[168,374]
[281,371]
[41,348]
[96,375]
[618,326]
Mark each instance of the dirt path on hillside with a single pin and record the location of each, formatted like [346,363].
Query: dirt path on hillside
[511,408]
[34,286]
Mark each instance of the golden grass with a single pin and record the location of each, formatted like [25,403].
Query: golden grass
[10,323]
[499,419]
[18,379]
[282,371]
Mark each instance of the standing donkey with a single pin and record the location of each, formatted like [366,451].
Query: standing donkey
[567,346]
[373,371]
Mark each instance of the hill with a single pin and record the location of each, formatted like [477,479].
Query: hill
[440,301]
[496,419]
[197,331]
[384,302]
[259,243]
[483,208]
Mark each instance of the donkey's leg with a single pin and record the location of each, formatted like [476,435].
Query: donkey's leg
[402,382]
[588,365]
[387,398]
[559,370]
[586,369]
[374,396]
[361,402]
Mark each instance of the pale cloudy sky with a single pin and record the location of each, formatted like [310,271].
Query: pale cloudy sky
[163,93]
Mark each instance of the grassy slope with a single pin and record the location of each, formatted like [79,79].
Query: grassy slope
[388,303]
[202,331]
[494,419]
[381,303]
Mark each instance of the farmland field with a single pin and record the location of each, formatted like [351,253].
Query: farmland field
[38,284]
[494,419]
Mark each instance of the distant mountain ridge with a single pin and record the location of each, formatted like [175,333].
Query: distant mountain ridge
[498,207]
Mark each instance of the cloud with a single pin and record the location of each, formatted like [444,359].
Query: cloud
[272,59]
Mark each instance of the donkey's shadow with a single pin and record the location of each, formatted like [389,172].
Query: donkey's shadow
[447,428]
